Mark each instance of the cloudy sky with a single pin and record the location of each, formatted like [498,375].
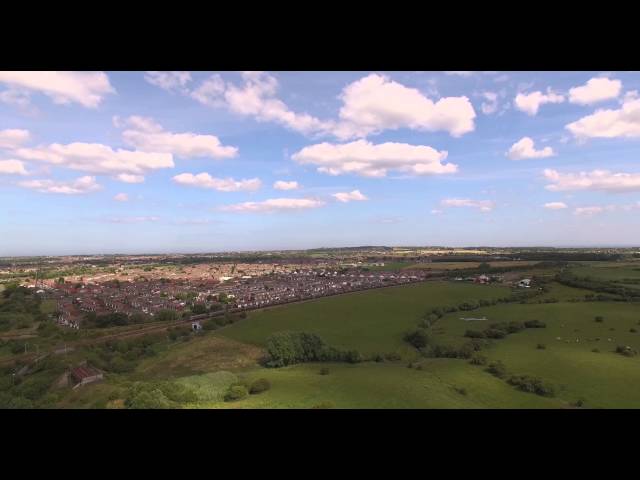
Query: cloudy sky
[103,162]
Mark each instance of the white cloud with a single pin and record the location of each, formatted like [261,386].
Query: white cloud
[595,90]
[460,73]
[13,138]
[146,135]
[204,180]
[282,185]
[133,219]
[210,92]
[491,105]
[436,211]
[86,88]
[588,210]
[169,81]
[530,102]
[129,178]
[97,158]
[12,167]
[346,197]
[376,103]
[15,96]
[555,205]
[121,197]
[600,180]
[256,98]
[524,148]
[364,158]
[483,205]
[370,105]
[74,187]
[622,122]
[275,205]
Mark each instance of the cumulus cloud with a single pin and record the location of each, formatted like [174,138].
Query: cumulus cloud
[595,90]
[13,138]
[346,197]
[74,187]
[599,180]
[370,105]
[282,185]
[376,103]
[555,205]
[15,96]
[147,135]
[275,205]
[12,167]
[524,148]
[204,180]
[169,81]
[256,97]
[482,205]
[367,159]
[621,122]
[129,178]
[530,102]
[97,158]
[86,88]
[121,197]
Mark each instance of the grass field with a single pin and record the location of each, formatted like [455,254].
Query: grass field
[386,385]
[372,321]
[601,379]
[608,271]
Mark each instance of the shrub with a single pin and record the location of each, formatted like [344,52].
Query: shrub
[599,319]
[417,337]
[541,346]
[236,392]
[259,386]
[534,324]
[579,403]
[531,385]
[596,350]
[378,358]
[324,371]
[461,390]
[495,333]
[632,330]
[474,334]
[497,369]
[478,360]
[393,357]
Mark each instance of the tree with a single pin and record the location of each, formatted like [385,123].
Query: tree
[418,337]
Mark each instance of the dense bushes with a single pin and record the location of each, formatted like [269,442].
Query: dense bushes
[158,395]
[497,369]
[535,324]
[236,392]
[259,386]
[417,337]
[288,348]
[531,385]
[626,351]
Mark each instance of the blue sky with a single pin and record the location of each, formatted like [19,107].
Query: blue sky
[130,162]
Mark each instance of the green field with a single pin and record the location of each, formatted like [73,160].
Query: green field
[371,321]
[608,271]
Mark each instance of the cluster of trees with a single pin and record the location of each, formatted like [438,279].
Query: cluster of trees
[288,348]
[19,308]
[32,390]
[502,329]
[626,351]
[158,395]
[607,291]
[122,356]
[240,390]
